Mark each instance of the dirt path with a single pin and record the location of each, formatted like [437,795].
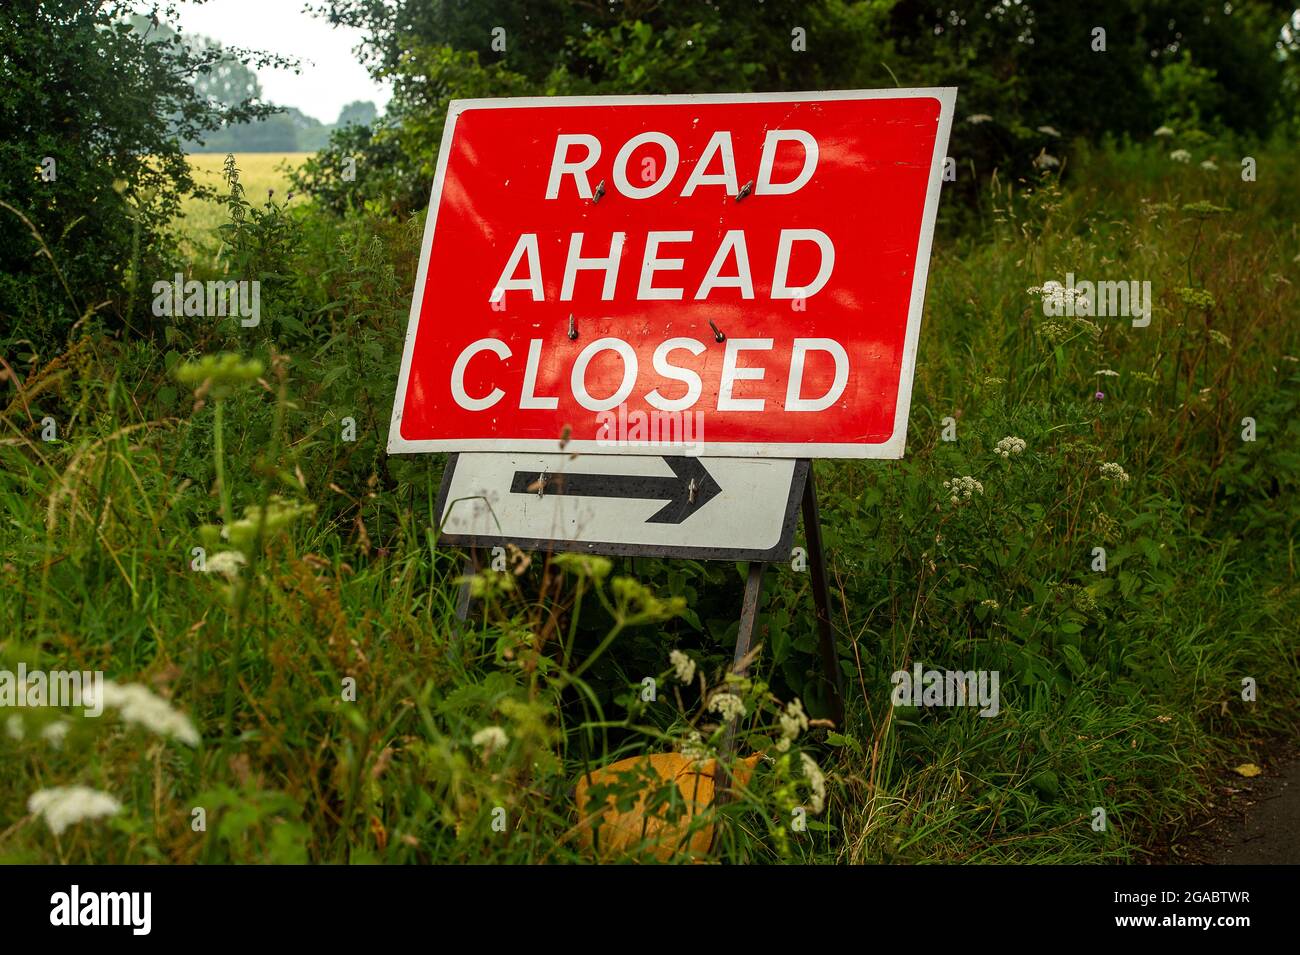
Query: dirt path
[1269,833]
[1263,825]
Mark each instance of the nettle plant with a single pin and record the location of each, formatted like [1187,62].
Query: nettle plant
[528,725]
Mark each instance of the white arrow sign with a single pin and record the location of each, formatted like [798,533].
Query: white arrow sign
[744,508]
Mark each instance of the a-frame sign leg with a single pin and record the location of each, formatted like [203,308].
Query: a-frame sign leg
[812,529]
[739,664]
[463,597]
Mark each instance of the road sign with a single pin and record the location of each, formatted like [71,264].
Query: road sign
[742,274]
[666,506]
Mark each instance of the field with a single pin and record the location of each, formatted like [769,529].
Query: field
[205,532]
[260,172]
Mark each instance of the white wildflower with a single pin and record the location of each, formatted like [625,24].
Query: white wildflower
[1050,131]
[1045,160]
[695,749]
[63,806]
[1009,446]
[683,666]
[1106,373]
[1209,165]
[53,733]
[227,563]
[793,721]
[1164,131]
[490,739]
[1113,472]
[816,780]
[727,705]
[962,488]
[14,727]
[976,118]
[1180,155]
[991,604]
[140,705]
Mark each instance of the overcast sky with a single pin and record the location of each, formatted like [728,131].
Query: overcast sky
[331,75]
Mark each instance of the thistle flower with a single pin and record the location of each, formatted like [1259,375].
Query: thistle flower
[816,780]
[1099,396]
[140,705]
[683,666]
[63,806]
[490,739]
[727,705]
[1113,472]
[1009,446]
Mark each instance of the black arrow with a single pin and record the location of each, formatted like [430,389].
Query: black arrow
[690,488]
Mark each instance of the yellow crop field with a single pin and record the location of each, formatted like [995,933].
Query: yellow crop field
[258,172]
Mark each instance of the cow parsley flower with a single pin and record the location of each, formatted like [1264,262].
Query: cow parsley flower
[816,780]
[695,749]
[64,806]
[683,666]
[962,488]
[1106,373]
[1045,160]
[727,705]
[490,739]
[1050,131]
[1209,165]
[1009,446]
[1181,155]
[140,705]
[226,563]
[14,727]
[53,733]
[1113,472]
[1164,131]
[793,721]
[976,118]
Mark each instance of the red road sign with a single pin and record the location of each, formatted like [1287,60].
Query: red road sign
[742,274]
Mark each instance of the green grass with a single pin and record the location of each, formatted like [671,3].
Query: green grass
[1120,690]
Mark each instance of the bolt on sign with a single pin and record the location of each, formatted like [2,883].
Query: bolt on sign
[606,274]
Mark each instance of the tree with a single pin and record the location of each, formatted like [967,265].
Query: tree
[93,114]
[358,112]
[1034,66]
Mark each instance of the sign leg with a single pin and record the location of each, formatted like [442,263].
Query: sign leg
[463,598]
[739,664]
[822,598]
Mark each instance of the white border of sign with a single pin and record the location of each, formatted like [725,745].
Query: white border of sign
[893,448]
